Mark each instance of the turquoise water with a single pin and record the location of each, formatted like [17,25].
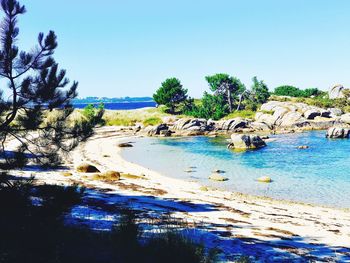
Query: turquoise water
[319,175]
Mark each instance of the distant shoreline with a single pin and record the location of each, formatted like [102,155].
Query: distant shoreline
[126,105]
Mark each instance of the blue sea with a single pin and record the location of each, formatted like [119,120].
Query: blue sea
[120,105]
[318,175]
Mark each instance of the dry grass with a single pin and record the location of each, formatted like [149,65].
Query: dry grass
[146,116]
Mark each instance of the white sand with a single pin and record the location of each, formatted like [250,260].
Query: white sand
[236,223]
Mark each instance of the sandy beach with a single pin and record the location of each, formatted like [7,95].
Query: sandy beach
[235,223]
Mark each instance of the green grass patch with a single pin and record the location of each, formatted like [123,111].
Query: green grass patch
[152,121]
[271,112]
[247,114]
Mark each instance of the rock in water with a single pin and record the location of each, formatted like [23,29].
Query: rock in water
[338,132]
[125,145]
[218,177]
[264,179]
[303,147]
[239,141]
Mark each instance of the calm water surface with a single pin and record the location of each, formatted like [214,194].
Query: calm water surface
[319,175]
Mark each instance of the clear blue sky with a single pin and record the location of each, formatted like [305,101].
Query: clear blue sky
[127,48]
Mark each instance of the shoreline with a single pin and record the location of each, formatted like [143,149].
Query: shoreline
[276,227]
[217,188]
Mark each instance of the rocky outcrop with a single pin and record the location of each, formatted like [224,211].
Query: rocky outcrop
[295,115]
[243,142]
[338,132]
[336,92]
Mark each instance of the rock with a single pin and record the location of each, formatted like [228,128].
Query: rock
[204,189]
[193,125]
[87,168]
[336,92]
[219,171]
[239,141]
[165,133]
[189,171]
[301,147]
[125,145]
[338,132]
[265,118]
[260,126]
[132,176]
[66,174]
[232,124]
[264,179]
[293,115]
[217,177]
[311,114]
[158,130]
[345,118]
[111,175]
[291,119]
[334,112]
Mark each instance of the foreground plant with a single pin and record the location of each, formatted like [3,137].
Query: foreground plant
[36,99]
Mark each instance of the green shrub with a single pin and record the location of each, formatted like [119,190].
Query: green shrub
[94,114]
[296,92]
[213,107]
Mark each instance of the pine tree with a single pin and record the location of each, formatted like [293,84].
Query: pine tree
[36,88]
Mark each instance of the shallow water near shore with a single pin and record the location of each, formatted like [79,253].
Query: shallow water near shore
[318,175]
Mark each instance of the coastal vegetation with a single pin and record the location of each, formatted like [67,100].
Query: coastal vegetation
[38,231]
[228,97]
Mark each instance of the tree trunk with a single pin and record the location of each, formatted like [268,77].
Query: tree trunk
[229,99]
[240,101]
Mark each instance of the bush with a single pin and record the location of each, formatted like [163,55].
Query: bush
[94,114]
[213,107]
[296,92]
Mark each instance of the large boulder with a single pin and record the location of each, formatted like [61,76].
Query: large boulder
[334,112]
[338,132]
[291,119]
[87,168]
[336,92]
[345,118]
[231,124]
[192,124]
[242,141]
[260,126]
[161,129]
[312,113]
